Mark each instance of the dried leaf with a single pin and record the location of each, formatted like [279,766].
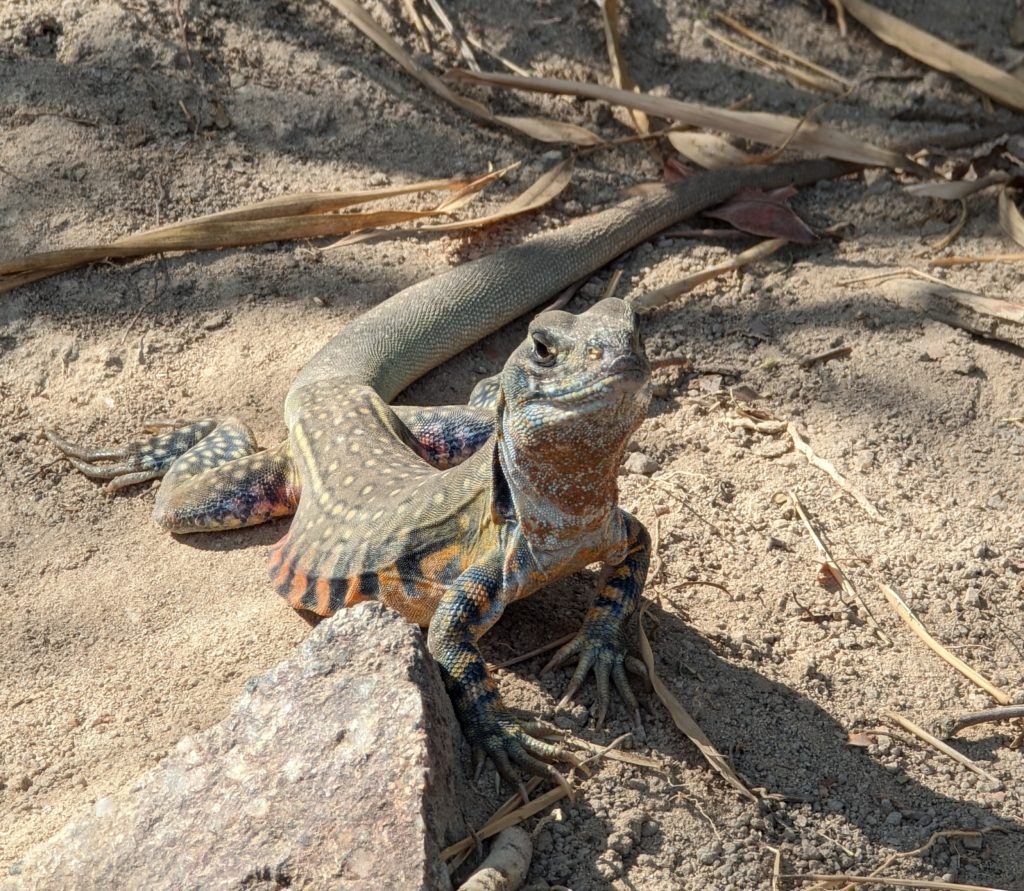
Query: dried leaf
[708,150]
[1010,220]
[759,126]
[284,218]
[548,130]
[764,214]
[918,44]
[547,186]
[862,739]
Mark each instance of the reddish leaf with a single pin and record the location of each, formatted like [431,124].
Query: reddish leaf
[765,214]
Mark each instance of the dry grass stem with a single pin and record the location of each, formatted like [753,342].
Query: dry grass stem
[938,54]
[932,839]
[538,128]
[612,754]
[950,190]
[620,74]
[494,54]
[613,284]
[850,879]
[659,296]
[752,35]
[907,615]
[953,233]
[512,812]
[763,127]
[683,720]
[833,567]
[544,189]
[414,16]
[940,746]
[804,449]
[948,262]
[545,648]
[285,218]
[454,32]
[795,75]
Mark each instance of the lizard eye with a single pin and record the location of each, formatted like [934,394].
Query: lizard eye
[543,353]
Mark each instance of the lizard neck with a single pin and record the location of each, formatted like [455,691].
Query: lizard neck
[560,491]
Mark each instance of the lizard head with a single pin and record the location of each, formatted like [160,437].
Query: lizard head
[578,383]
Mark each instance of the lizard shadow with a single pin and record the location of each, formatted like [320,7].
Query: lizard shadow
[780,738]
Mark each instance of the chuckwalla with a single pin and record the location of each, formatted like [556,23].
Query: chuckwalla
[448,514]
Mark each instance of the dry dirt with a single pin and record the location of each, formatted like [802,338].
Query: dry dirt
[117,639]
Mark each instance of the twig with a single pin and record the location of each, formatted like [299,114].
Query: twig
[833,567]
[834,879]
[685,722]
[907,615]
[986,716]
[938,744]
[550,645]
[782,51]
[827,356]
[804,449]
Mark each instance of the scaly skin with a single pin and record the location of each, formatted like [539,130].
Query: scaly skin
[449,514]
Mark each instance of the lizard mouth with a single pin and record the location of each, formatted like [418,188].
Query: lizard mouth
[610,388]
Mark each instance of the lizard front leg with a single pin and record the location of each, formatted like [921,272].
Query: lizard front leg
[601,643]
[472,604]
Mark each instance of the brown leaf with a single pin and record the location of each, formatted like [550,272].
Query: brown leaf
[862,739]
[763,214]
[1010,220]
[708,150]
[918,44]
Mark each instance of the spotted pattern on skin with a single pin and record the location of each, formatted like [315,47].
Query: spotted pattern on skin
[445,514]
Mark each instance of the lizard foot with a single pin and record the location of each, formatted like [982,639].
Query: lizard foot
[135,462]
[498,736]
[601,649]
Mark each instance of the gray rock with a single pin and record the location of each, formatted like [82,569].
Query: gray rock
[335,769]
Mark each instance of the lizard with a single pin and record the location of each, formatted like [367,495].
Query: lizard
[448,514]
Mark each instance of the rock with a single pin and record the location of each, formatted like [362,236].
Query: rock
[638,462]
[334,769]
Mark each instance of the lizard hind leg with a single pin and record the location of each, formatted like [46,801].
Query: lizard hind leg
[213,476]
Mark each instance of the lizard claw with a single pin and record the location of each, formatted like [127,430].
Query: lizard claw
[602,653]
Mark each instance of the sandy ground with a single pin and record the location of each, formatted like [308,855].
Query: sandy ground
[117,639]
